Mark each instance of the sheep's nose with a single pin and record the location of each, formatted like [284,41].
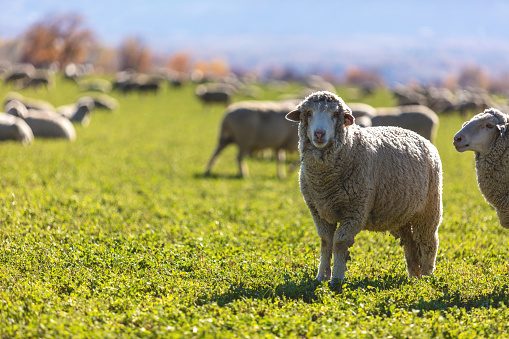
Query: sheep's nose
[457,138]
[319,134]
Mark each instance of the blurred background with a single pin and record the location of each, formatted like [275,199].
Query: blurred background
[439,43]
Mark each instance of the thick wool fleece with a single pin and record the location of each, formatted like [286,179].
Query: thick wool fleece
[493,169]
[378,179]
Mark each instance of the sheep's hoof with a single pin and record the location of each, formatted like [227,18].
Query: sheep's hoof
[336,285]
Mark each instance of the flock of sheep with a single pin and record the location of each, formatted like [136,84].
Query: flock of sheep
[349,156]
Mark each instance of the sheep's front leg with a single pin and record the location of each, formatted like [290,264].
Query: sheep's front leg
[343,240]
[325,231]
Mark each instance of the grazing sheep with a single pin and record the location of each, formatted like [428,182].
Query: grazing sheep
[374,178]
[19,72]
[14,128]
[102,101]
[80,112]
[485,135]
[213,93]
[40,78]
[417,118]
[257,125]
[45,124]
[29,103]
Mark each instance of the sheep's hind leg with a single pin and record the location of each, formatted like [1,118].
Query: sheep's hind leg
[243,170]
[428,249]
[222,144]
[410,249]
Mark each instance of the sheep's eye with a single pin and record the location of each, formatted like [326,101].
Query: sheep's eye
[309,114]
[335,115]
[490,126]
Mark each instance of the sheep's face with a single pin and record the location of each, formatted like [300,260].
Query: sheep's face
[478,134]
[320,119]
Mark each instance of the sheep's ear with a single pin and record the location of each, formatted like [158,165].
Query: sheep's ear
[293,115]
[349,119]
[502,128]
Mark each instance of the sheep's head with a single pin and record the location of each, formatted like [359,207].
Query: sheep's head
[16,108]
[479,133]
[322,115]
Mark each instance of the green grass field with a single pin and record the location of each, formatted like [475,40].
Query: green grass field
[119,235]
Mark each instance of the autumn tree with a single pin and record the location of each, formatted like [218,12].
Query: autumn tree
[473,76]
[179,62]
[59,39]
[134,55]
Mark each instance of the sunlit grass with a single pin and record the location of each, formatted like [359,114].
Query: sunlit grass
[119,235]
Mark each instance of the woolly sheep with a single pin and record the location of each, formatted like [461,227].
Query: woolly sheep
[29,103]
[213,93]
[45,124]
[363,113]
[14,128]
[374,178]
[485,135]
[417,118]
[80,112]
[102,101]
[257,125]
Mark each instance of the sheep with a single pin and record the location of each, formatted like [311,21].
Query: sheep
[19,72]
[373,178]
[14,128]
[29,103]
[213,93]
[417,118]
[363,113]
[102,101]
[45,124]
[80,112]
[485,135]
[257,125]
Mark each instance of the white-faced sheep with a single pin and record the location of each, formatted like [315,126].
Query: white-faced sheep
[373,178]
[45,124]
[417,118]
[486,135]
[257,125]
[14,128]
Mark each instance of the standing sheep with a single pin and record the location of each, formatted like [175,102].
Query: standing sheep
[14,128]
[375,178]
[485,135]
[417,118]
[257,125]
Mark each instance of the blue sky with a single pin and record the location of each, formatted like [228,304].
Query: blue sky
[170,22]
[311,33]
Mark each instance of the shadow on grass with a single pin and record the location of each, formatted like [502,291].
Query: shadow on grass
[217,176]
[380,283]
[455,299]
[303,290]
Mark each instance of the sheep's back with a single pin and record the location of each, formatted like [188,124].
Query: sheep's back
[259,125]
